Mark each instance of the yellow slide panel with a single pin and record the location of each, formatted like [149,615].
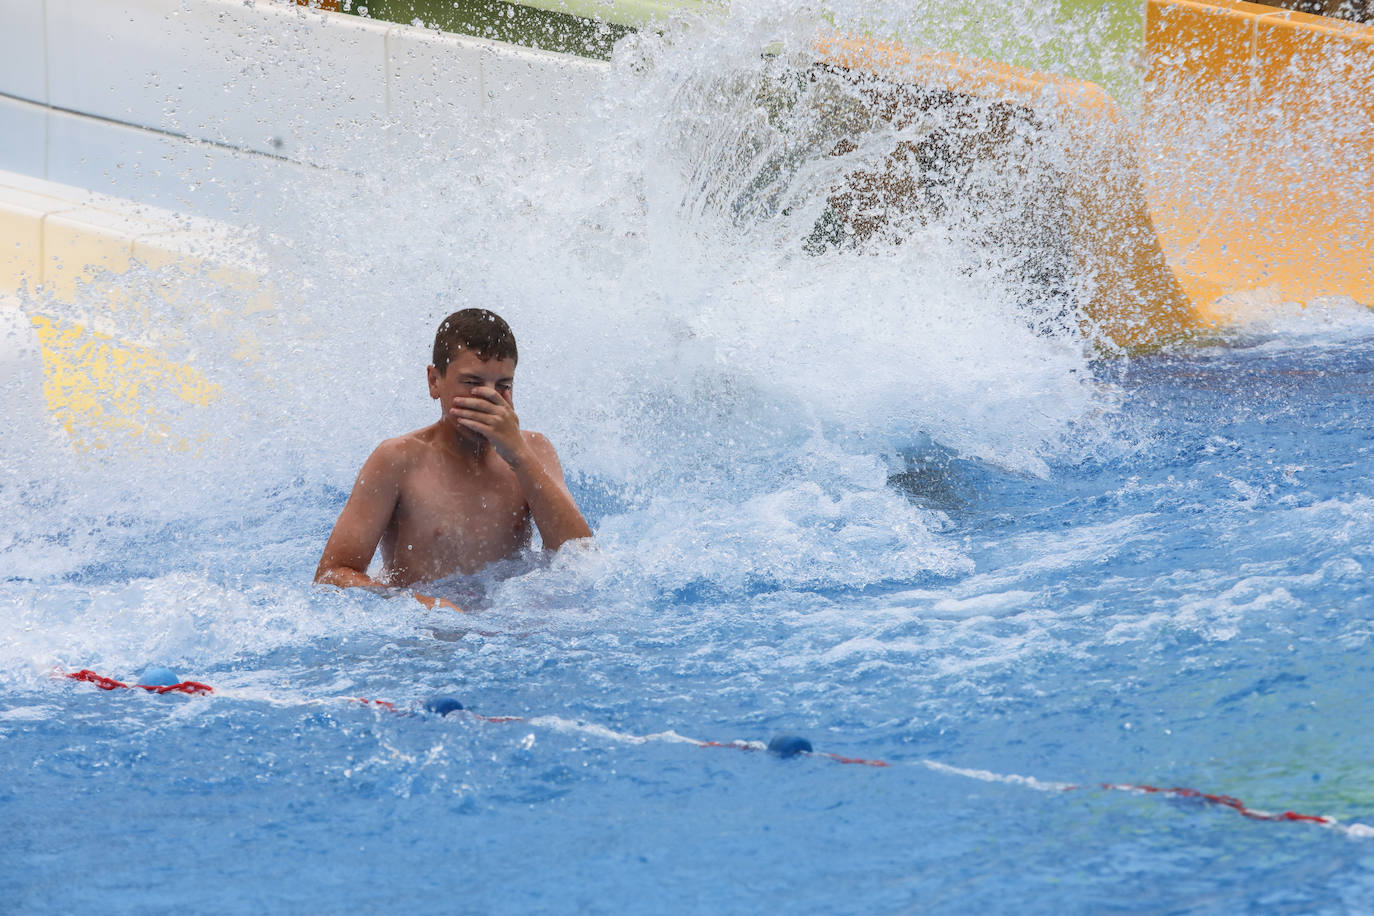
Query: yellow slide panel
[61,243]
[105,391]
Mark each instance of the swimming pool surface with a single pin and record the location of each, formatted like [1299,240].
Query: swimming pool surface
[857,497]
[1193,611]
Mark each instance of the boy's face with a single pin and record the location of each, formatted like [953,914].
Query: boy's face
[470,376]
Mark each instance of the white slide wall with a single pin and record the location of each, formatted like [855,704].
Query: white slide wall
[206,108]
[195,104]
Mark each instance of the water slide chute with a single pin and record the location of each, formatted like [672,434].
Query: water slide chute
[1057,156]
[1245,182]
[1258,130]
[1259,127]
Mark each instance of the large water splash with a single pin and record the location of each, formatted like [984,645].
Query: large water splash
[731,384]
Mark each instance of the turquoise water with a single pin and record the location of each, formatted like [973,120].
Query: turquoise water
[882,496]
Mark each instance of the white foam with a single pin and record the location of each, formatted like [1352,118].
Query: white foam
[29,713]
[741,401]
[181,620]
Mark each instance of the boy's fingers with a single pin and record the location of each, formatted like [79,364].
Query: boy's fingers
[484,419]
[486,400]
[475,417]
[483,396]
[475,404]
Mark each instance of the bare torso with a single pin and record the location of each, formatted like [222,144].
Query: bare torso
[455,496]
[455,512]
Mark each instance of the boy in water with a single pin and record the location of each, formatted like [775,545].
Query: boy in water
[459,494]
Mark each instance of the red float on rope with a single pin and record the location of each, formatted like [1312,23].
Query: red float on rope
[859,761]
[384,704]
[1224,801]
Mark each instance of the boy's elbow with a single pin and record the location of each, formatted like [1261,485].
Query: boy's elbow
[330,575]
[584,537]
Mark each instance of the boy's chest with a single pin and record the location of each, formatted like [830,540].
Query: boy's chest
[449,511]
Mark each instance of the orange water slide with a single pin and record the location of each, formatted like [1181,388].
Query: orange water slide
[1259,144]
[1249,181]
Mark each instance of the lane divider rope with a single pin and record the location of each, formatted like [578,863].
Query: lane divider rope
[790,747]
[109,683]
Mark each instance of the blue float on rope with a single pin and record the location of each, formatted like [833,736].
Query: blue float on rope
[158,676]
[443,705]
[789,746]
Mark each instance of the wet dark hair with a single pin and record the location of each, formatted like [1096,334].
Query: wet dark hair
[484,333]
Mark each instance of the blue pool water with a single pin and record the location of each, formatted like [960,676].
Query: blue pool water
[1189,611]
[1192,610]
[857,497]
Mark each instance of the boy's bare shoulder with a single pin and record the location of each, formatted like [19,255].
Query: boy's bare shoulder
[538,440]
[543,450]
[405,448]
[540,443]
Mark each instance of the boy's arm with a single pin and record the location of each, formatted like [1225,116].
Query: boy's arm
[553,508]
[361,525]
[534,461]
